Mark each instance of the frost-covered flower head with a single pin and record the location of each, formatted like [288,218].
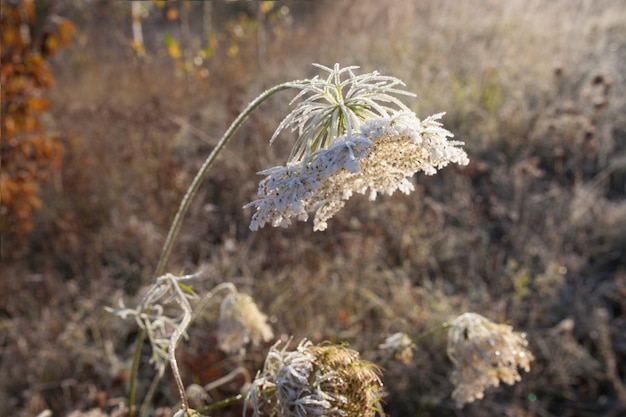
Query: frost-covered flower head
[240,323]
[380,157]
[333,106]
[484,353]
[316,380]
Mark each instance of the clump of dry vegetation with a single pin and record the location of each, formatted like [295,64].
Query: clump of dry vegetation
[531,233]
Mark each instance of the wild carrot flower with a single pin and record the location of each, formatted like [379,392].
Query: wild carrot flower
[484,353]
[379,158]
[241,322]
[316,380]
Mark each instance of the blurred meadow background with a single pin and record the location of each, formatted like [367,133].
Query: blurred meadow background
[532,233]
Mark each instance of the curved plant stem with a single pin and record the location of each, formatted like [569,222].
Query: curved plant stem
[207,298]
[182,211]
[178,333]
[204,169]
[228,378]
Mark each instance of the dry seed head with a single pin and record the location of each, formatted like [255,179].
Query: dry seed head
[484,353]
[240,323]
[316,380]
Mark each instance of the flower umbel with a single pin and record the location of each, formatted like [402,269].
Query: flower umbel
[316,380]
[380,158]
[484,353]
[240,323]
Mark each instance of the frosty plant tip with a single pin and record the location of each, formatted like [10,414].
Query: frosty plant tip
[331,107]
[354,135]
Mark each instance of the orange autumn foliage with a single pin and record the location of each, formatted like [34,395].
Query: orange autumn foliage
[27,153]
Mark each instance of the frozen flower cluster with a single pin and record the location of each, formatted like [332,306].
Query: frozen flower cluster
[484,353]
[316,380]
[241,322]
[379,158]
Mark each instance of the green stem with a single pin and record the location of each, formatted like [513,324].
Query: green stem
[134,371]
[443,326]
[182,211]
[231,400]
[223,403]
[143,410]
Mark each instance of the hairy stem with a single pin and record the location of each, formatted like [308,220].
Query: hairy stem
[172,347]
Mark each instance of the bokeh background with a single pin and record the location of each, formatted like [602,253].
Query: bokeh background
[531,233]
